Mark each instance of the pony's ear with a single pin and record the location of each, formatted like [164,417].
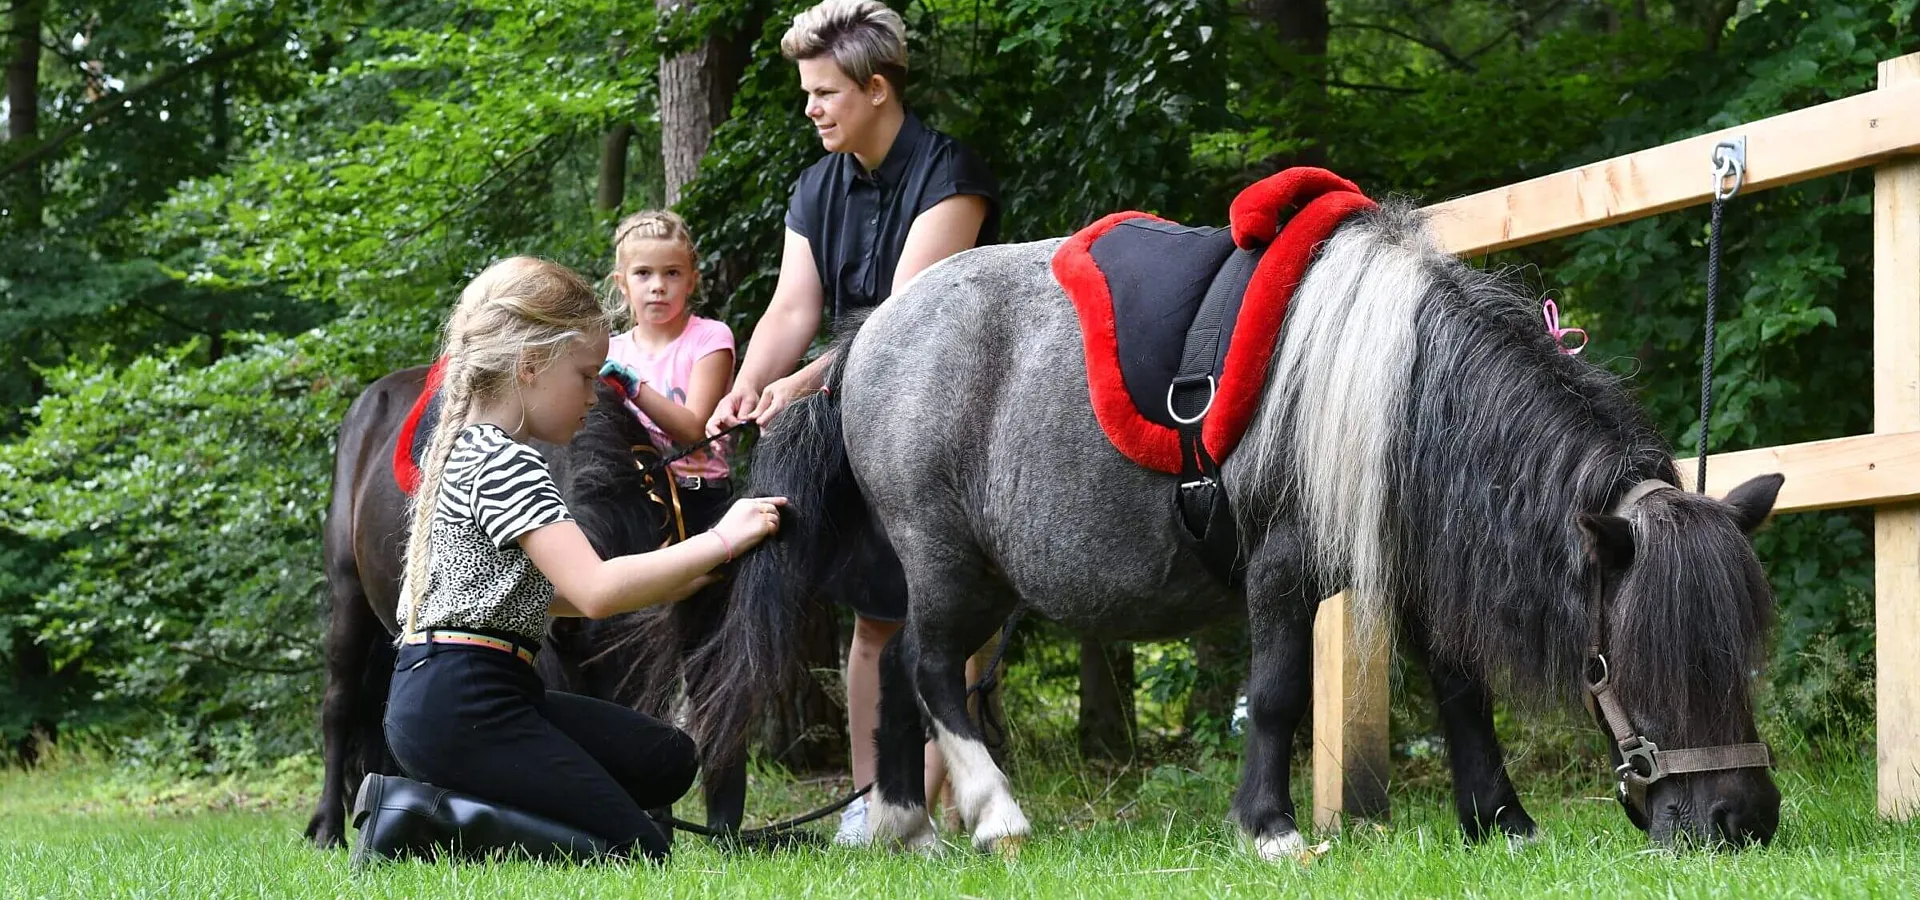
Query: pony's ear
[1609,541]
[1753,500]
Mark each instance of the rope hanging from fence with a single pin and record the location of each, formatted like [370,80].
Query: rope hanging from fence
[1729,163]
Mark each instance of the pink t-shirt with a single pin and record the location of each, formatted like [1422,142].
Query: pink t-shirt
[670,371]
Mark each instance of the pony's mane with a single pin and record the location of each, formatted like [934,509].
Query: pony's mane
[605,492]
[610,500]
[1439,450]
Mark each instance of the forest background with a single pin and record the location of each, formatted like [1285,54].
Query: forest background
[221,219]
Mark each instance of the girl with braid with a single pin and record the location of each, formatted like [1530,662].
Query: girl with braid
[492,553]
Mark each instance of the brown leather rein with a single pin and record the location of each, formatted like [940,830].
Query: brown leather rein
[1642,762]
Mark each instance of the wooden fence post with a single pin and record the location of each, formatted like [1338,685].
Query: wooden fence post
[1896,408]
[1349,718]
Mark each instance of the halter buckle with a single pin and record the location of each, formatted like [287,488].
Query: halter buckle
[1639,761]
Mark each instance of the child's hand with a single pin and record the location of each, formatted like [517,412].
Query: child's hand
[622,379]
[749,522]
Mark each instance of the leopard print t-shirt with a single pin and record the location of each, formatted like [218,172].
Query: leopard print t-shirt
[494,490]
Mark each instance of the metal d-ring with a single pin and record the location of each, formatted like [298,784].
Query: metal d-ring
[1213,390]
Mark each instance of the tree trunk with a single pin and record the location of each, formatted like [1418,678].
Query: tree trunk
[1300,27]
[23,105]
[613,168]
[1107,726]
[220,124]
[696,95]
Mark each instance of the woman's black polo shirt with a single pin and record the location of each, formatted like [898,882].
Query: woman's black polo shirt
[857,222]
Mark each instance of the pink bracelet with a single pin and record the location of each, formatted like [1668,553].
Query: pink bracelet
[723,542]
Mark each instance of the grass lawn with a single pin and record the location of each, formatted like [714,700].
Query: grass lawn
[85,829]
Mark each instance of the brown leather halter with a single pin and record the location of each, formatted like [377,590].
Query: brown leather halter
[646,458]
[1642,762]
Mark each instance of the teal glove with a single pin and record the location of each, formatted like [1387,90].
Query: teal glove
[622,379]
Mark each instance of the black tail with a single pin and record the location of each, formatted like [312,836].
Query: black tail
[826,523]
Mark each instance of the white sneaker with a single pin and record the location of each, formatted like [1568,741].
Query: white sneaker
[853,825]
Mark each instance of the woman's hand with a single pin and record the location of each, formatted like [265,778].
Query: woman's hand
[736,407]
[748,523]
[778,396]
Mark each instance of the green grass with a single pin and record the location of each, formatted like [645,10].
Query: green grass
[81,828]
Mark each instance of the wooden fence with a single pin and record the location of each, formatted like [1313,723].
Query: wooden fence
[1880,128]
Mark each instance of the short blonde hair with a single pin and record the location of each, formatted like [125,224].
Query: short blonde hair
[864,37]
[520,313]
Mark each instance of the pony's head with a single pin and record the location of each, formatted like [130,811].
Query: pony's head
[621,508]
[1681,607]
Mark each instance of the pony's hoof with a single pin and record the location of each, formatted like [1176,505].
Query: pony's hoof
[1280,845]
[901,827]
[1001,830]
[325,835]
[1518,841]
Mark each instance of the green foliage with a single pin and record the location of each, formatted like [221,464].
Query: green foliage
[186,492]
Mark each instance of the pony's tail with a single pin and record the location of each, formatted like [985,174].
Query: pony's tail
[754,652]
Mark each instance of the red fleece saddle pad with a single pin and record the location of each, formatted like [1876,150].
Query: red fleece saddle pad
[1137,282]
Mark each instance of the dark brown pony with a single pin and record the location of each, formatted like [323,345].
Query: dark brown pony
[633,659]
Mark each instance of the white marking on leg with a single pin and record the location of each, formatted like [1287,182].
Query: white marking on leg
[1280,845]
[900,826]
[982,793]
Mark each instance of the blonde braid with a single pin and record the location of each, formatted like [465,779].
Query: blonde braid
[519,313]
[456,400]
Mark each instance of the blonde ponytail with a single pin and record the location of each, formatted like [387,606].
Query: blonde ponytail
[521,313]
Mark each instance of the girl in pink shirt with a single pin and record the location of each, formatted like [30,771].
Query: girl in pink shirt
[675,366]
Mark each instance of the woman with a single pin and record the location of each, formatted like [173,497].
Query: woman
[891,198]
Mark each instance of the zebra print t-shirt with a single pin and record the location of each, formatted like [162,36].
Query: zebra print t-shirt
[494,490]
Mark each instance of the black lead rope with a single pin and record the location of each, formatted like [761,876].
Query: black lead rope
[1729,161]
[994,731]
[753,835]
[662,463]
[991,728]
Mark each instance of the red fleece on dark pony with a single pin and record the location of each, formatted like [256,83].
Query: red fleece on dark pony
[405,473]
[1256,215]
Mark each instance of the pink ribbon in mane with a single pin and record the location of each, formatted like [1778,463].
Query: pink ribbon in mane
[1551,313]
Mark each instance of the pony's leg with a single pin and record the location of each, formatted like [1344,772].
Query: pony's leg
[726,794]
[1483,795]
[1279,684]
[942,637]
[897,809]
[350,711]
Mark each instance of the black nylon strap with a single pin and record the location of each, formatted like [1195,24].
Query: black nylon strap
[1201,501]
[1205,353]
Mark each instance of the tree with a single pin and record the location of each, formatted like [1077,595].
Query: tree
[697,85]
[23,108]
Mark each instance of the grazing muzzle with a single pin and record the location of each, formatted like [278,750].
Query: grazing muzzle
[1641,764]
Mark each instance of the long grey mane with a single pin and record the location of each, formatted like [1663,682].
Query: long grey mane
[1440,450]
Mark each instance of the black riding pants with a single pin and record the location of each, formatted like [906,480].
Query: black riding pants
[479,721]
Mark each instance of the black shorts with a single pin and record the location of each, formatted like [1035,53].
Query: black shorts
[872,581]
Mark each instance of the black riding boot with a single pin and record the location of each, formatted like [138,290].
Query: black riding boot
[398,817]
